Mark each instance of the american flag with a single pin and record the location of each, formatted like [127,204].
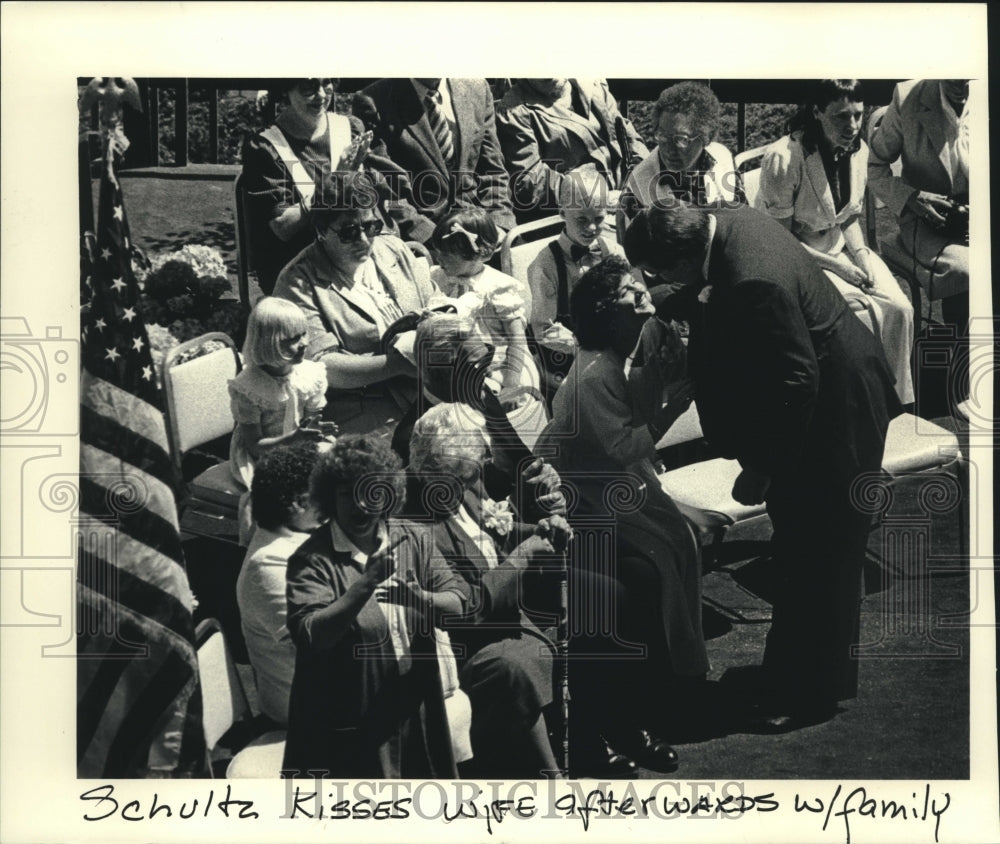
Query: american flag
[139,710]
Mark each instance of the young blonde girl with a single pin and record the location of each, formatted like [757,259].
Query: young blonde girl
[497,303]
[278,389]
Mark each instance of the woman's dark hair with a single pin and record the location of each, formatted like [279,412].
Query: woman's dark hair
[592,299]
[821,94]
[365,463]
[693,99]
[668,234]
[280,481]
[342,193]
[468,233]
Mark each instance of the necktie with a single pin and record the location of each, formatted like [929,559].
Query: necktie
[439,126]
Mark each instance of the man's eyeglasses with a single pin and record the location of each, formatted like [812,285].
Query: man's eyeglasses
[678,140]
[352,231]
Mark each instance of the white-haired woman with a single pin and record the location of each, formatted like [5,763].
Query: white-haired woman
[506,663]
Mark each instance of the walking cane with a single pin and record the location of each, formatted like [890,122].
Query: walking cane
[505,438]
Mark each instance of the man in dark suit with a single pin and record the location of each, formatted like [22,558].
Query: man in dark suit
[549,127]
[789,382]
[436,141]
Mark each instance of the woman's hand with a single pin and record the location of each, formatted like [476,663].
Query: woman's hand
[846,269]
[317,430]
[404,591]
[863,261]
[557,531]
[356,152]
[546,481]
[932,208]
[403,344]
[381,565]
[558,337]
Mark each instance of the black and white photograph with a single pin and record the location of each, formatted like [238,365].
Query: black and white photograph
[459,457]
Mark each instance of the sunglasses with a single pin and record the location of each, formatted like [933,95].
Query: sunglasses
[352,232]
[678,140]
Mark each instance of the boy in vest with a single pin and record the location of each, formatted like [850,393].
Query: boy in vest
[583,242]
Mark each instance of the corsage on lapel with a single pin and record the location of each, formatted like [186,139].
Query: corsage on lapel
[705,294]
[497,516]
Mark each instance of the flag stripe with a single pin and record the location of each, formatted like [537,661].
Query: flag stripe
[128,687]
[122,443]
[114,403]
[129,487]
[167,691]
[96,692]
[144,526]
[133,594]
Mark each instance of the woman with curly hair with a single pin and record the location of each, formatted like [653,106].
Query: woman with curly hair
[363,601]
[687,163]
[604,434]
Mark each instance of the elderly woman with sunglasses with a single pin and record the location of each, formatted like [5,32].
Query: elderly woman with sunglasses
[687,162]
[353,283]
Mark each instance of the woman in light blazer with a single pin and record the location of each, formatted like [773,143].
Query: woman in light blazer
[352,284]
[813,182]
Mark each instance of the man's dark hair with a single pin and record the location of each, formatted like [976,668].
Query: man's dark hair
[664,236]
[281,480]
[591,301]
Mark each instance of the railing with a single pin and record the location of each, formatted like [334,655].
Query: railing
[143,129]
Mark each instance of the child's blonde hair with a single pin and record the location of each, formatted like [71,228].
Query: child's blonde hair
[271,321]
[582,189]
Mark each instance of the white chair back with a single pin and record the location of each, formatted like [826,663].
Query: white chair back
[197,395]
[751,178]
[515,260]
[686,429]
[224,702]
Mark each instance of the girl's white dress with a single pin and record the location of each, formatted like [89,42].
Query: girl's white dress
[491,299]
[277,403]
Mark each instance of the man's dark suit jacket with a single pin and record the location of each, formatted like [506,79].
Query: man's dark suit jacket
[477,177]
[789,381]
[785,375]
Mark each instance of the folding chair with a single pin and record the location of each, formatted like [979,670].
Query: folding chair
[244,259]
[751,178]
[515,260]
[420,251]
[197,412]
[890,249]
[225,705]
[703,491]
